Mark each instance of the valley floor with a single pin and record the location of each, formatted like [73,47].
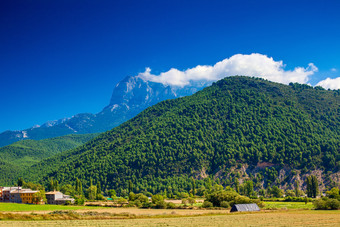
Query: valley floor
[263,218]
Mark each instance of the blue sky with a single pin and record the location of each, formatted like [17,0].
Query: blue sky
[60,58]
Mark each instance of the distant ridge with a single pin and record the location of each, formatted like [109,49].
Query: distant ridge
[130,96]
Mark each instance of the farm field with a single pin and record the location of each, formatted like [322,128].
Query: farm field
[44,209]
[17,207]
[272,218]
[288,205]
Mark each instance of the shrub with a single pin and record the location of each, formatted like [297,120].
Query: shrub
[241,200]
[68,203]
[79,201]
[207,204]
[225,204]
[171,205]
[137,203]
[157,198]
[333,204]
[326,204]
[160,205]
[146,205]
[217,197]
[191,200]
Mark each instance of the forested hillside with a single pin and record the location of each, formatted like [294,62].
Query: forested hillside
[22,154]
[238,121]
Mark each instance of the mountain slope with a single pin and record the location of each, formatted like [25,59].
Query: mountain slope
[22,154]
[130,96]
[237,121]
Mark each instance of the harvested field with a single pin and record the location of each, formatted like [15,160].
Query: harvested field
[276,218]
[137,211]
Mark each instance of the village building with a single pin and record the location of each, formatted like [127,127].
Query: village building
[27,196]
[6,193]
[58,198]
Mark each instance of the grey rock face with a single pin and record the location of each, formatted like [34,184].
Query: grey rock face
[130,96]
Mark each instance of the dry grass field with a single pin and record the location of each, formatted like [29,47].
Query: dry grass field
[267,218]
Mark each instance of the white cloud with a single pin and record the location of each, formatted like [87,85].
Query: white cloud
[257,65]
[330,83]
[333,69]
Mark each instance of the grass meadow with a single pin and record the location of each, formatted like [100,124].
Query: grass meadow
[17,207]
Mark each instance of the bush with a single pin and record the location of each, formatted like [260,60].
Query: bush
[184,201]
[146,205]
[241,200]
[333,204]
[191,200]
[225,204]
[100,197]
[157,198]
[171,205]
[160,205]
[137,203]
[67,203]
[207,204]
[79,201]
[326,204]
[217,197]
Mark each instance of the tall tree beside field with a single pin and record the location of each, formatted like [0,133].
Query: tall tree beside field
[249,188]
[315,186]
[297,188]
[130,186]
[312,186]
[237,185]
[99,190]
[79,187]
[92,192]
[193,186]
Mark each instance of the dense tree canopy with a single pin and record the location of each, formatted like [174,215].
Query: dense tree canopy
[236,120]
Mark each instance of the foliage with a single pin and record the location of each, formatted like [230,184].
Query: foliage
[276,192]
[217,197]
[20,155]
[225,204]
[326,204]
[111,193]
[236,120]
[312,186]
[39,197]
[330,202]
[290,193]
[92,192]
[207,204]
[334,193]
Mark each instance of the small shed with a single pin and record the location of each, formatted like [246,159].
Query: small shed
[245,207]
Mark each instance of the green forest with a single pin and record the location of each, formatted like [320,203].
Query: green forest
[23,154]
[238,120]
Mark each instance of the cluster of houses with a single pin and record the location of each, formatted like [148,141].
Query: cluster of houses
[26,195]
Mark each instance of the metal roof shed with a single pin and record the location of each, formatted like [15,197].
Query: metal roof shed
[245,207]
